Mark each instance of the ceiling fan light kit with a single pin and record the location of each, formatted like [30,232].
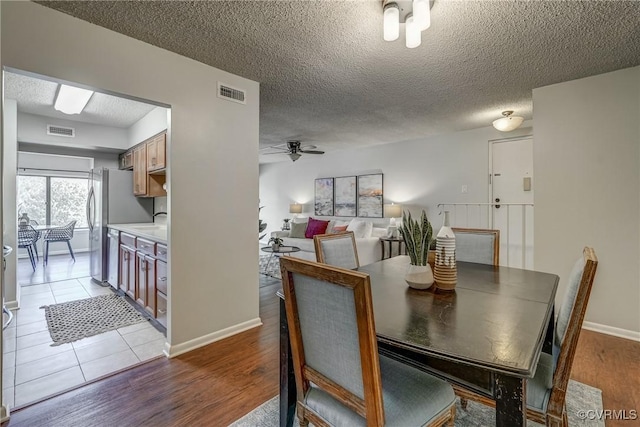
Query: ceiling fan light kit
[508,122]
[294,150]
[415,14]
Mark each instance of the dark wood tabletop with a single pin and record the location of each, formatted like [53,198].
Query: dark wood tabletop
[496,318]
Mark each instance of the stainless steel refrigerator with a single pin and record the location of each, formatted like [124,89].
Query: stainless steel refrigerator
[111,201]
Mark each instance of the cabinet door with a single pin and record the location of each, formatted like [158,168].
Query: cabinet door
[128,159]
[156,152]
[161,276]
[140,170]
[150,305]
[141,283]
[127,271]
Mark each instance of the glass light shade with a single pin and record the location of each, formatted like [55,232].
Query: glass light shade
[413,33]
[422,14]
[391,22]
[508,123]
[295,208]
[72,100]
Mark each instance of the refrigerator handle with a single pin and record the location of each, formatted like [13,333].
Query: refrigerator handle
[90,206]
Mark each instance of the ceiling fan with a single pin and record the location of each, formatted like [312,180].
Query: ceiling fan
[294,150]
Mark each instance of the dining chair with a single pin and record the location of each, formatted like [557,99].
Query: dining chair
[59,234]
[34,224]
[27,238]
[340,377]
[546,391]
[337,249]
[478,245]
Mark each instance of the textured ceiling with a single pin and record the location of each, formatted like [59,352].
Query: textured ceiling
[36,96]
[328,79]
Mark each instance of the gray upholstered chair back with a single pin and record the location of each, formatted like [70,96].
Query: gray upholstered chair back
[337,249]
[564,313]
[477,245]
[329,331]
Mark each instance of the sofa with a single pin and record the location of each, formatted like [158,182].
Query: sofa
[367,236]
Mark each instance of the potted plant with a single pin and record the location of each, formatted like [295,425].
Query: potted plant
[417,239]
[276,242]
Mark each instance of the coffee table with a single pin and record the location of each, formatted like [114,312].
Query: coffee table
[284,250]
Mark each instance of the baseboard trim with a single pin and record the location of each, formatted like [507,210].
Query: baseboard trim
[178,349]
[610,330]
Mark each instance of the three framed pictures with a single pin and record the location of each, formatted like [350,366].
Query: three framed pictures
[347,196]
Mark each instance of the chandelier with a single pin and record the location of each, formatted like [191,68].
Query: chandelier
[415,14]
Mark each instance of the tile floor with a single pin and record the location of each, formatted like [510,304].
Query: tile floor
[32,369]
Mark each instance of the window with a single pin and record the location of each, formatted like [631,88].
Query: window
[54,200]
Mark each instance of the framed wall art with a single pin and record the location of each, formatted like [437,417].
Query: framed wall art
[345,196]
[324,197]
[370,195]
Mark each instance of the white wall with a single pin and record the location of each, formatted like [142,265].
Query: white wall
[212,149]
[9,208]
[33,129]
[587,163]
[154,122]
[418,174]
[101,159]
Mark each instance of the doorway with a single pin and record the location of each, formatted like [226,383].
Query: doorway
[511,196]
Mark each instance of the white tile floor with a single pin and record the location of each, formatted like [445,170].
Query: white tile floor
[32,369]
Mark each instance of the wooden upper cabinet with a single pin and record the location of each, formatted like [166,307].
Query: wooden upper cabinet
[140,170]
[156,152]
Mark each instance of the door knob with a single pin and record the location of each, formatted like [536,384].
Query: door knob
[497,201]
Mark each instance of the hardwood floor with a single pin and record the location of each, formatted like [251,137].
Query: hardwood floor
[219,383]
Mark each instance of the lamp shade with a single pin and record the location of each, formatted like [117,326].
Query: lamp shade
[422,14]
[295,208]
[392,211]
[413,33]
[508,122]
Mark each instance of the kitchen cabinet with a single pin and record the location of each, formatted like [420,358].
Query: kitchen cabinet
[127,282]
[156,152]
[140,170]
[145,285]
[126,160]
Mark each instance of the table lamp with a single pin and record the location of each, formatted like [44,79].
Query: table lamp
[295,208]
[393,211]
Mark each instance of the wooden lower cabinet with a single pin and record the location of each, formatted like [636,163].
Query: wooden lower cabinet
[127,279]
[146,283]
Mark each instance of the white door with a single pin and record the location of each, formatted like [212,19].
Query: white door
[512,189]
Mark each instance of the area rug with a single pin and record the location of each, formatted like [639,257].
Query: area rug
[580,398]
[271,269]
[74,320]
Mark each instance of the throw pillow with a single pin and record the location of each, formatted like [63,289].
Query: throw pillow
[340,228]
[379,232]
[298,229]
[315,226]
[358,227]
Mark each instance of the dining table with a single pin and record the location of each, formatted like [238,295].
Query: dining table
[486,336]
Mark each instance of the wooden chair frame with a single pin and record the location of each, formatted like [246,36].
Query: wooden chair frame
[371,408]
[496,239]
[556,414]
[319,238]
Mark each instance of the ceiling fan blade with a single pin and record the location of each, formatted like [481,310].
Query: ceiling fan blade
[312,152]
[279,150]
[308,147]
[266,154]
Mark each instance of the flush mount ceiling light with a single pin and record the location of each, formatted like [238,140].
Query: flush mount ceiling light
[415,14]
[508,122]
[71,99]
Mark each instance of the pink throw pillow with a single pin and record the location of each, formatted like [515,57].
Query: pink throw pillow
[340,228]
[315,226]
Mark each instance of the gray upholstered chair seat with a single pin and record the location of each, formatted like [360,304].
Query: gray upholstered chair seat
[539,387]
[411,398]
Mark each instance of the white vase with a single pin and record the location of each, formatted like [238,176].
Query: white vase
[445,271]
[419,276]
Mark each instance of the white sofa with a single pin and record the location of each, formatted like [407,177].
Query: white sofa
[369,248]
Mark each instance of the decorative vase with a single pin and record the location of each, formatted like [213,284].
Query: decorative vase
[445,271]
[275,247]
[419,276]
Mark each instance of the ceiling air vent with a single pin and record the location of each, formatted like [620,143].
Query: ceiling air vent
[61,131]
[231,94]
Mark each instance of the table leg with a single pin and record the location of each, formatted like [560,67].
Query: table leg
[510,394]
[287,378]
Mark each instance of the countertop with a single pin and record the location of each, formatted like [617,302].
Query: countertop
[151,231]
